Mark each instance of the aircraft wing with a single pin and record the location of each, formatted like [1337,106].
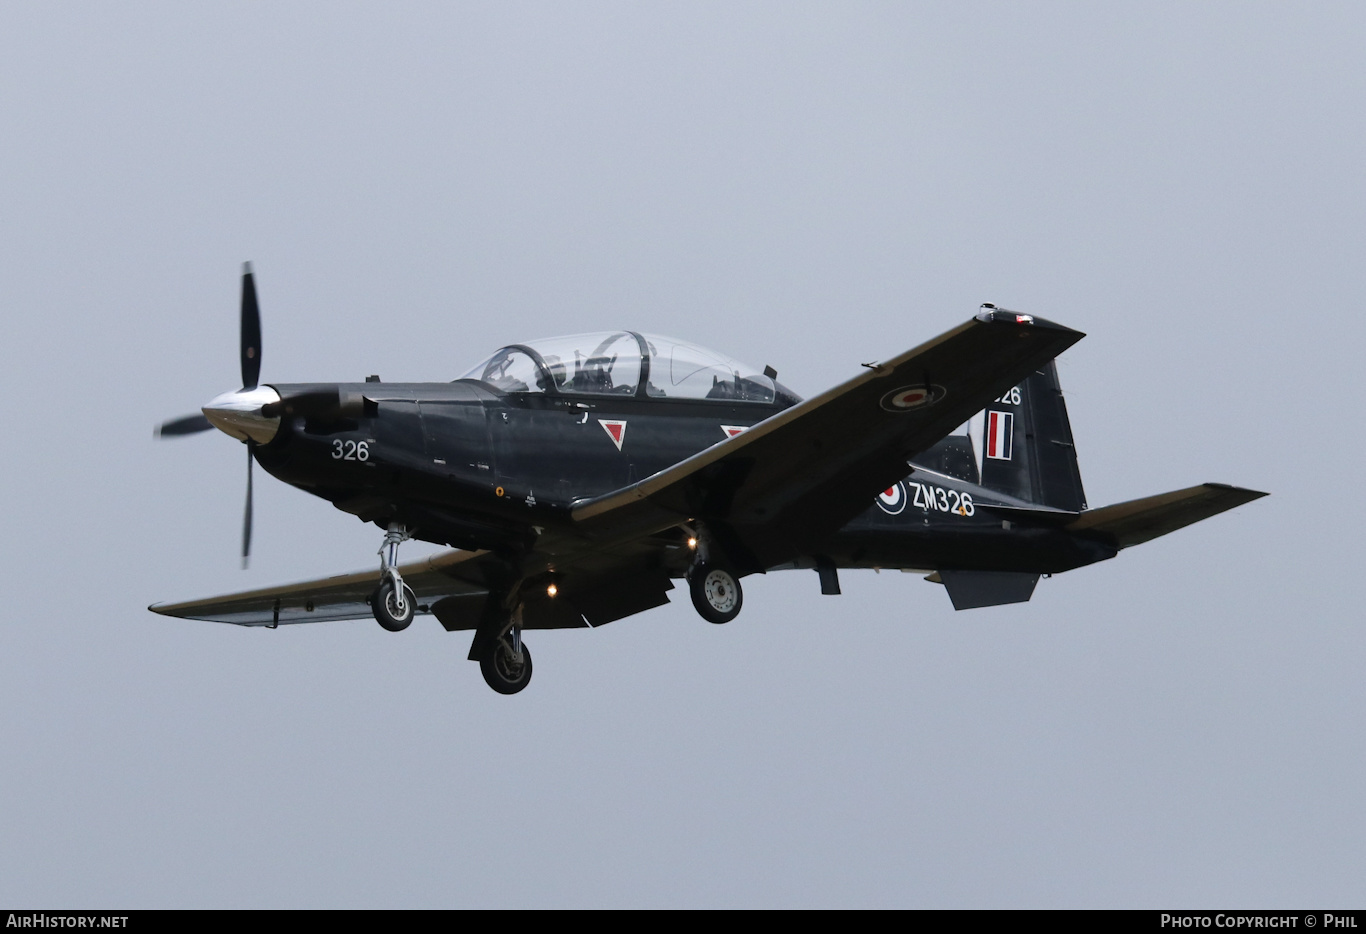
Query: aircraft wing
[331,598]
[786,482]
[596,586]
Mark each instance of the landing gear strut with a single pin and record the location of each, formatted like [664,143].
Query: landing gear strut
[393,602]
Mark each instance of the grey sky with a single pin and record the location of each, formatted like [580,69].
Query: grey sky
[808,186]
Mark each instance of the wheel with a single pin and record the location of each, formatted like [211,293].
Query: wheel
[385,608]
[716,593]
[502,672]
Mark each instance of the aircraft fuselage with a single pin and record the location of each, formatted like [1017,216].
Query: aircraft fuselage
[470,467]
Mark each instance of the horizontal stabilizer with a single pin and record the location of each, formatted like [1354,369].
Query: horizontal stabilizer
[972,589]
[1142,520]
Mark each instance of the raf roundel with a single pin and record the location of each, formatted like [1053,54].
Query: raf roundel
[911,397]
[893,499]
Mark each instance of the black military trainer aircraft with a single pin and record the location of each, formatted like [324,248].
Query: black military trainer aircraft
[578,477]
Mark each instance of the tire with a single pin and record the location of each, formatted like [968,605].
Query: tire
[716,593]
[500,672]
[386,613]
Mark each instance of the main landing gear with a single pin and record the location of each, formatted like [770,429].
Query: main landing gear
[503,657]
[714,588]
[393,602]
[507,668]
[716,592]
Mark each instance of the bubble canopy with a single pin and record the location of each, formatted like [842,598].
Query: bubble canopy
[625,363]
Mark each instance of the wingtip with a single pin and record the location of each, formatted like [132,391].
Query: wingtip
[994,314]
[1248,493]
[246,268]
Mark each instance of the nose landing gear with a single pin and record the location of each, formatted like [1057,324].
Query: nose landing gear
[393,608]
[392,602]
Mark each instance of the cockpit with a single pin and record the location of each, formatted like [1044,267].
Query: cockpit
[626,363]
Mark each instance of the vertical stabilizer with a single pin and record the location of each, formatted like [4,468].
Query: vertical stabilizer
[1026,444]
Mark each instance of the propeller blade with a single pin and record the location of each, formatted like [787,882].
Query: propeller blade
[188,425]
[251,330]
[246,518]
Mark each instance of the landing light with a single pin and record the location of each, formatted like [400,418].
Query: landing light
[692,543]
[551,590]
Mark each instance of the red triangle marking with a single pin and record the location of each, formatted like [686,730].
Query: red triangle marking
[616,430]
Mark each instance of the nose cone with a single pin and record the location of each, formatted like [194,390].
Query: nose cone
[239,414]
